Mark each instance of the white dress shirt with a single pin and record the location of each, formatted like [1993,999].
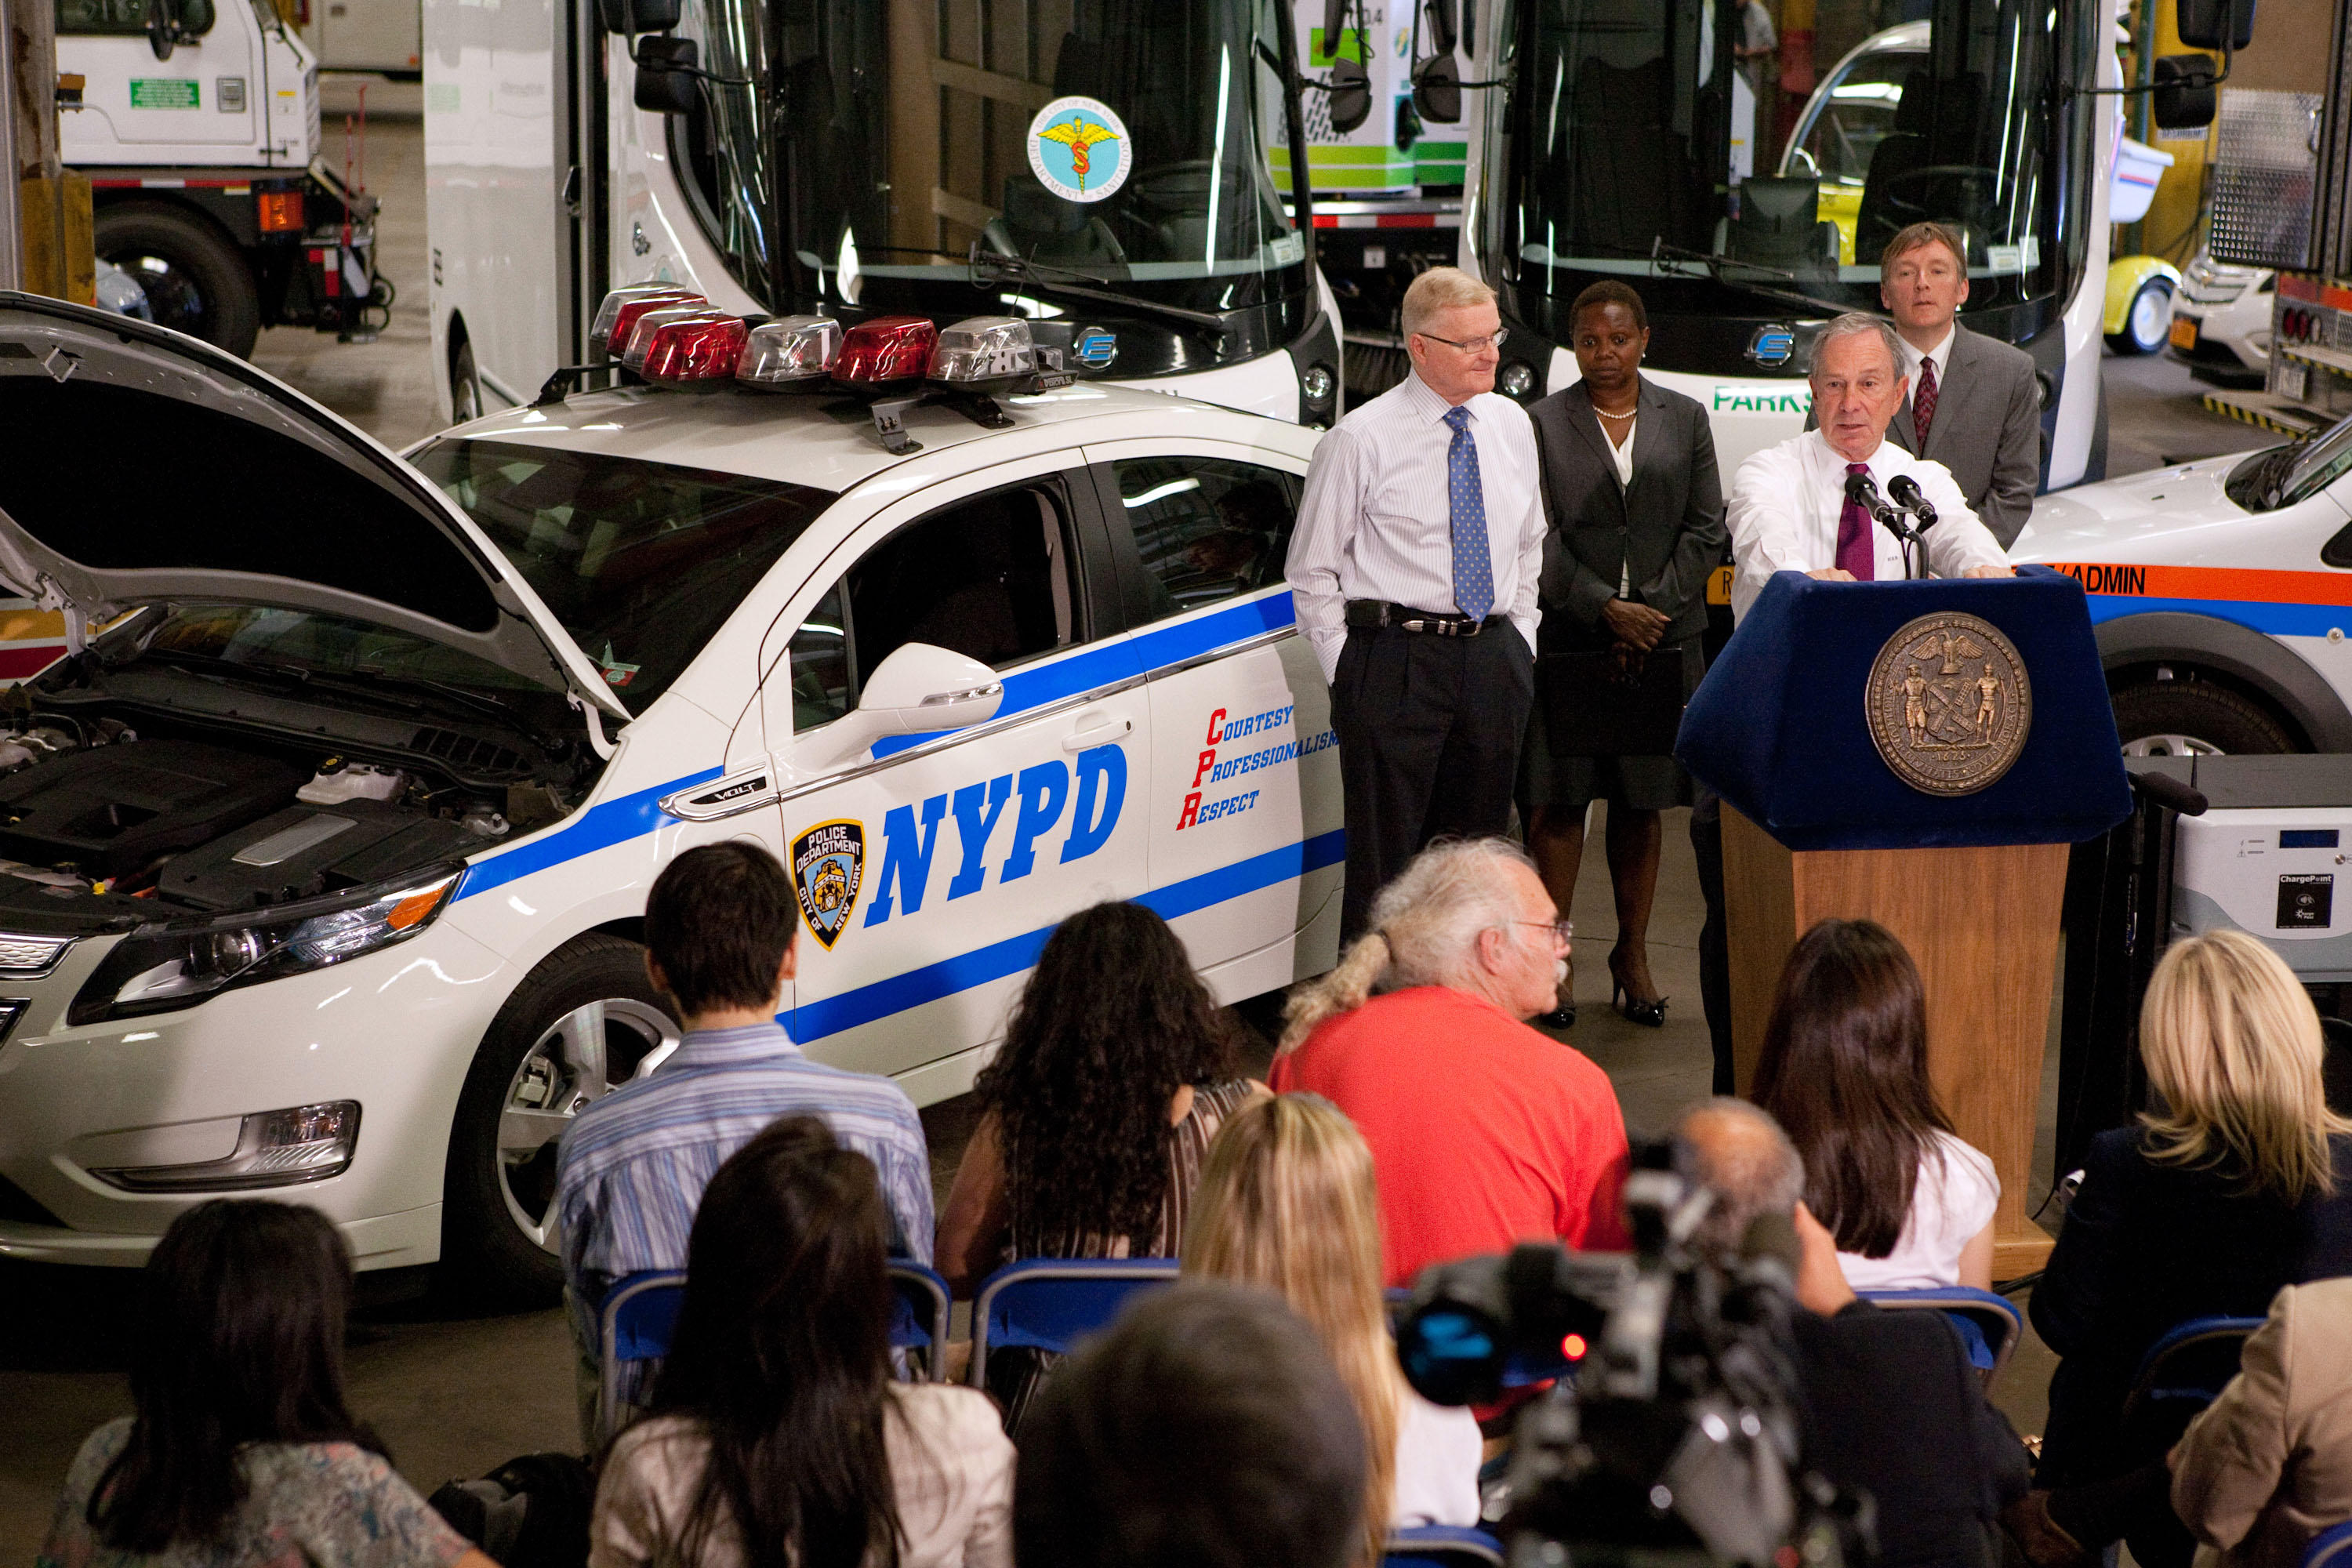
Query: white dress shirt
[1376,521]
[1784,511]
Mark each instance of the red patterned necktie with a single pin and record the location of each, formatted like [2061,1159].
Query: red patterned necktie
[1854,553]
[1923,402]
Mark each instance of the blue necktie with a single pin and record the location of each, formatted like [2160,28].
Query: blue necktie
[1473,570]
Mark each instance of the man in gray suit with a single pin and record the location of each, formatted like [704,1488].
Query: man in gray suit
[1975,405]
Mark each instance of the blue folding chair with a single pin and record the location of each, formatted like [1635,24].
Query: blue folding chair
[1989,1325]
[1440,1546]
[918,1315]
[635,1324]
[1048,1303]
[2331,1548]
[2182,1374]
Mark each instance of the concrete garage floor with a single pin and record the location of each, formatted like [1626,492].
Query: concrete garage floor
[455,1394]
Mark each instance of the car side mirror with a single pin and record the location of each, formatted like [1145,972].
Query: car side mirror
[1437,89]
[2184,98]
[919,689]
[667,68]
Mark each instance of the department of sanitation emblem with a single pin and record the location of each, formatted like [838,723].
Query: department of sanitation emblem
[1949,704]
[1077,149]
[828,864]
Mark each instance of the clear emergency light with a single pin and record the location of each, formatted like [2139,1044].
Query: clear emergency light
[797,351]
[985,352]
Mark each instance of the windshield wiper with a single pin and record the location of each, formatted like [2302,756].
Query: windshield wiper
[991,267]
[1661,254]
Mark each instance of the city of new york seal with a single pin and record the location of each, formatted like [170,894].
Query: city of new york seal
[1948,703]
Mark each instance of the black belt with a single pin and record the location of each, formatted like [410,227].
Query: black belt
[1375,614]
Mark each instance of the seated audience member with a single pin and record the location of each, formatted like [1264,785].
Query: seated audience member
[777,1438]
[1207,1427]
[1891,1406]
[244,1453]
[1117,1069]
[1288,1202]
[1483,1132]
[1844,1071]
[2240,1183]
[2268,1466]
[719,927]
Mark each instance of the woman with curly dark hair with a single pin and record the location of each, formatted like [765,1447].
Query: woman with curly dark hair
[1117,1069]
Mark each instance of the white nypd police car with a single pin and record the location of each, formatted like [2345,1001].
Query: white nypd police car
[323,856]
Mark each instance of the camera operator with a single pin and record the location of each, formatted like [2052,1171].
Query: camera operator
[1892,1406]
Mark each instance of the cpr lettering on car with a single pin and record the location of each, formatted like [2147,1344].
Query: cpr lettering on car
[1208,769]
[1045,792]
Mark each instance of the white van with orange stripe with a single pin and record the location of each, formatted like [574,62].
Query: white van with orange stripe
[2222,595]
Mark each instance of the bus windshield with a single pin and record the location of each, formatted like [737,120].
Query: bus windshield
[912,132]
[1749,174]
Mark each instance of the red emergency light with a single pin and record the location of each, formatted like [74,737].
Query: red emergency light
[618,315]
[886,350]
[702,350]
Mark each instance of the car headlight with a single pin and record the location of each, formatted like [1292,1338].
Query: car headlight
[159,968]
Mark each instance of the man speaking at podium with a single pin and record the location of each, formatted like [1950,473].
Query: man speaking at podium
[1789,510]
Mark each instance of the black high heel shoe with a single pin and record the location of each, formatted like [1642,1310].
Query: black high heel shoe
[1649,1014]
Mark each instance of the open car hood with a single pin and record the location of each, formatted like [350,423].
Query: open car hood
[138,464]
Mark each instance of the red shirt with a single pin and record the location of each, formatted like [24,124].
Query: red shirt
[1483,1132]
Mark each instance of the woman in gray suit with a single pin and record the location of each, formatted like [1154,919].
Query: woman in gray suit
[1637,512]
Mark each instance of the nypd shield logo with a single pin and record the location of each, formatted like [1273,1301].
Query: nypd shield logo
[828,865]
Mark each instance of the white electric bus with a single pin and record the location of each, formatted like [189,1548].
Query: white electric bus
[1107,168]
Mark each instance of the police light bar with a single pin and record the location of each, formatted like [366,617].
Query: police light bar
[794,350]
[640,332]
[985,352]
[612,335]
[886,352]
[703,349]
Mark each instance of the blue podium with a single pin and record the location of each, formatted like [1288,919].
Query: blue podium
[1920,754]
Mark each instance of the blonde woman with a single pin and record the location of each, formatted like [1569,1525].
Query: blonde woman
[1287,1201]
[2238,1183]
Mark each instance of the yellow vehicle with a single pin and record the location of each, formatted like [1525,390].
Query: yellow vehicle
[2139,303]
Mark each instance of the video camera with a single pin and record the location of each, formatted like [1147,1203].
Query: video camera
[1674,1428]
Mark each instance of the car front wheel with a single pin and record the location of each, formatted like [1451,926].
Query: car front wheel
[2196,718]
[583,1023]
[2148,321]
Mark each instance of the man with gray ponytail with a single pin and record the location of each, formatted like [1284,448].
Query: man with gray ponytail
[1484,1131]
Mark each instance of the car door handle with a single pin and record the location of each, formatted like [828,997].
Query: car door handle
[1101,734]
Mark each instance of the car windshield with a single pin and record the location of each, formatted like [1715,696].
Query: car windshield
[906,135]
[1694,127]
[2279,477]
[641,562]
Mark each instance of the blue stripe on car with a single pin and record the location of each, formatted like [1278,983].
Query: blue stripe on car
[2276,619]
[633,816]
[997,959]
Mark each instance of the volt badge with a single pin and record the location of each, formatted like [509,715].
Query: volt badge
[1095,347]
[1772,345]
[828,865]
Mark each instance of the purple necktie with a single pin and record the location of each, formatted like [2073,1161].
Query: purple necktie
[1922,402]
[1854,552]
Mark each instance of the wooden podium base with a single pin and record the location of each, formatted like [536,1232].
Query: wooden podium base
[1982,924]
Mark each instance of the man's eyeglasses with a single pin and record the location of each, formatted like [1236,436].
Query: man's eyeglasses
[1470,345]
[1561,931]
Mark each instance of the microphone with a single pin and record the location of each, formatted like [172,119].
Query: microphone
[1907,494]
[1864,492]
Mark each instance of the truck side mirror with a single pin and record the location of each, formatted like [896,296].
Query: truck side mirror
[1444,26]
[665,71]
[197,18]
[1351,95]
[171,23]
[2184,97]
[628,17]
[2215,24]
[1437,89]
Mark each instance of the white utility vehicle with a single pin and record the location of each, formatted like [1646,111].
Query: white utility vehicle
[2221,593]
[198,127]
[327,849]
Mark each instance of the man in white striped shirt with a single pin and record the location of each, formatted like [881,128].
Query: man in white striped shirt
[1413,571]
